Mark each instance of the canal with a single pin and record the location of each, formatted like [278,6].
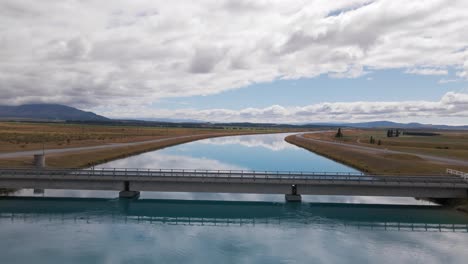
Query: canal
[57,226]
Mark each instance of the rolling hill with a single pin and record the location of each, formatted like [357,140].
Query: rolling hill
[48,112]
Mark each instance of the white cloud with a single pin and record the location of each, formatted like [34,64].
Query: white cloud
[427,71]
[444,81]
[464,72]
[130,53]
[451,105]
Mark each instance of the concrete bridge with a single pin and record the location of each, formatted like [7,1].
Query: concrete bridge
[130,181]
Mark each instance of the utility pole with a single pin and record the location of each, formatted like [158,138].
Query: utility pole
[43,143]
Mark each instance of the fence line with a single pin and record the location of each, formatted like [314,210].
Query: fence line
[462,174]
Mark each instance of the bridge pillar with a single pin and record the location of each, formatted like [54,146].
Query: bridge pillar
[126,193]
[293,196]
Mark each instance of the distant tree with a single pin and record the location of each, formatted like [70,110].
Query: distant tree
[372,140]
[379,142]
[389,133]
[338,133]
[397,133]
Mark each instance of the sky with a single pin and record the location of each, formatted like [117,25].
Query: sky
[295,61]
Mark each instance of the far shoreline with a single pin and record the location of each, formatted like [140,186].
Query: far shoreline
[368,163]
[89,158]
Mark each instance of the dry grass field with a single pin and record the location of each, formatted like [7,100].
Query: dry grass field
[34,136]
[446,145]
[452,144]
[90,158]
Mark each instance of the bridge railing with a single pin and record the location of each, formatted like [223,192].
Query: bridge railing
[177,172]
[234,174]
[462,174]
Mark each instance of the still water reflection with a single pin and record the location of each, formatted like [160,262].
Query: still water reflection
[67,230]
[192,228]
[254,152]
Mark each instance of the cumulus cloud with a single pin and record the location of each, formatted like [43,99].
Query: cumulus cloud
[130,53]
[427,71]
[464,72]
[73,49]
[204,60]
[450,105]
[444,81]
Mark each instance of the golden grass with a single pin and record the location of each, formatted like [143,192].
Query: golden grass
[384,163]
[91,158]
[449,144]
[16,162]
[33,136]
[394,156]
[29,136]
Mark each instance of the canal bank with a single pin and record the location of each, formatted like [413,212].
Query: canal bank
[373,164]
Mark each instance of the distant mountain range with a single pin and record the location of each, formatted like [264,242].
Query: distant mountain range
[57,112]
[389,124]
[170,120]
[48,112]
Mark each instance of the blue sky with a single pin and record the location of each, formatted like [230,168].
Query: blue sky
[380,85]
[240,60]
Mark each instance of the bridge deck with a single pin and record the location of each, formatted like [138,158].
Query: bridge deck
[437,186]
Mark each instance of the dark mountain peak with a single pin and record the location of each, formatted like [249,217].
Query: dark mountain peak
[48,112]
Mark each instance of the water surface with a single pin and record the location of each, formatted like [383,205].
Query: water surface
[90,230]
[227,228]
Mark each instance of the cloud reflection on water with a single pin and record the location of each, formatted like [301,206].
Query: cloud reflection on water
[82,242]
[273,142]
[230,153]
[159,160]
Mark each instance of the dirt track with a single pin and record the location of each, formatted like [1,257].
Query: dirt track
[386,151]
[29,153]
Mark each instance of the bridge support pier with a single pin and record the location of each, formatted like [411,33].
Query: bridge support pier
[126,193]
[293,197]
[129,194]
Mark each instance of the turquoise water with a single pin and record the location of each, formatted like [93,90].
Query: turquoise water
[256,152]
[54,227]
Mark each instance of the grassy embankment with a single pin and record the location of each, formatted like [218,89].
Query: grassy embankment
[446,145]
[33,136]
